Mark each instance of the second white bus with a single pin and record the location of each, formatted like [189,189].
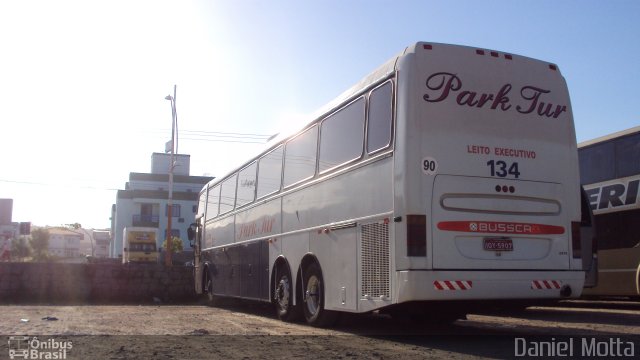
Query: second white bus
[447,175]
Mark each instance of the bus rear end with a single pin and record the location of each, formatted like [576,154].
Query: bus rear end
[489,207]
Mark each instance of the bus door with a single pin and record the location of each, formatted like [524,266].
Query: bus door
[194,234]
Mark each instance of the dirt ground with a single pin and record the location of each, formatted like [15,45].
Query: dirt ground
[251,331]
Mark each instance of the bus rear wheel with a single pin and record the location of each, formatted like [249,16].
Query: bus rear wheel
[283,296]
[313,301]
[638,283]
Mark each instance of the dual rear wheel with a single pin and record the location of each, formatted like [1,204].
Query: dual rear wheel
[313,299]
[310,300]
[283,295]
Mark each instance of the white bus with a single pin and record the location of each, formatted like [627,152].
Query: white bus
[610,174]
[449,173]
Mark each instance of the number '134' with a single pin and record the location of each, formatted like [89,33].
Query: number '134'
[503,169]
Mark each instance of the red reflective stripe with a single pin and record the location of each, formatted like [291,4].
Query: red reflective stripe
[452,285]
[546,284]
[500,227]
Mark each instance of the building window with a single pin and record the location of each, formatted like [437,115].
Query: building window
[175,210]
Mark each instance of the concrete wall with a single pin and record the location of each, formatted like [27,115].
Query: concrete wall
[57,283]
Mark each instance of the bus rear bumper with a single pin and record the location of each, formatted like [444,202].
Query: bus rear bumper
[412,285]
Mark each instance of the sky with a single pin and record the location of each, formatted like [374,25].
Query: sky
[83,83]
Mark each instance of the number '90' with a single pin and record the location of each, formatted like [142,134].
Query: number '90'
[429,165]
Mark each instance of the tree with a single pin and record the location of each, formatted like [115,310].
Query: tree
[20,248]
[177,245]
[40,243]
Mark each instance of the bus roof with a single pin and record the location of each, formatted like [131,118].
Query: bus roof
[612,136]
[383,72]
[378,75]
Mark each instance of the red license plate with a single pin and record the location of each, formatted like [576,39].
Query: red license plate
[498,244]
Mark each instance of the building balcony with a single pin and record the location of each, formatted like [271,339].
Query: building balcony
[146,220]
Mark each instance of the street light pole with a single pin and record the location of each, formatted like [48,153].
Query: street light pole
[174,135]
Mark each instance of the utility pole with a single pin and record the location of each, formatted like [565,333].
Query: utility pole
[174,135]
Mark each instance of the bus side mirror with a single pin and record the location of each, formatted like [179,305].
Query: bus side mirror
[191,233]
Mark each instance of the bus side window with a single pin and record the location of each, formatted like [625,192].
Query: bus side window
[212,202]
[202,200]
[628,156]
[228,194]
[597,163]
[341,136]
[270,173]
[300,157]
[379,127]
[246,185]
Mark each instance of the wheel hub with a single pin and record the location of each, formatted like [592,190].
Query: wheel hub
[282,293]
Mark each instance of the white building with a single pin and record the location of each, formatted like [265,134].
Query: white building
[8,229]
[144,201]
[64,243]
[102,241]
[95,242]
[7,233]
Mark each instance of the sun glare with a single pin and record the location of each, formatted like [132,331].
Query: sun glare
[288,123]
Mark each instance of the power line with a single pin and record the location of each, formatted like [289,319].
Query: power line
[21,182]
[226,133]
[216,136]
[214,133]
[225,141]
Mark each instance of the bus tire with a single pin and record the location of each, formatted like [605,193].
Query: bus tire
[313,299]
[283,295]
[638,283]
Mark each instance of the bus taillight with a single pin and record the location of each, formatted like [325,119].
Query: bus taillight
[416,235]
[575,239]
